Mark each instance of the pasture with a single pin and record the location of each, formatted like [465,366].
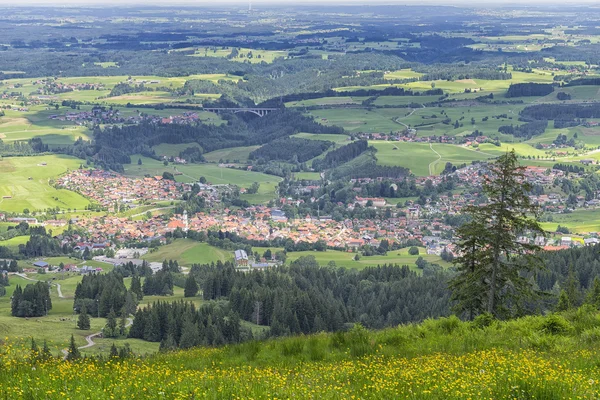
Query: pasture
[25,183]
[231,154]
[35,123]
[346,260]
[423,159]
[188,252]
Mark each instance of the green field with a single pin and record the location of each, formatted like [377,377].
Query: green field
[34,123]
[337,139]
[231,154]
[213,173]
[188,252]
[346,260]
[423,159]
[172,150]
[36,193]
[579,221]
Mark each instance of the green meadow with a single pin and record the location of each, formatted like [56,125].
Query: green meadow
[188,252]
[423,159]
[346,259]
[25,183]
[231,154]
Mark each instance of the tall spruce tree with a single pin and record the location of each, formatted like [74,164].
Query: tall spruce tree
[191,287]
[110,330]
[83,321]
[73,353]
[493,263]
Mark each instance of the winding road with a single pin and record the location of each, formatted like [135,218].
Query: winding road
[432,164]
[90,339]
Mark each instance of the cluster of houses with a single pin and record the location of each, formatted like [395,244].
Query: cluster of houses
[107,188]
[83,270]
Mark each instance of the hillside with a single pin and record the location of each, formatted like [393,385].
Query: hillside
[551,357]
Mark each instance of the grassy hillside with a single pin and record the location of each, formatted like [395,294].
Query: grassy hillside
[552,357]
[25,183]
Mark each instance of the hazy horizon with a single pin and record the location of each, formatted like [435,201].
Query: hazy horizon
[204,3]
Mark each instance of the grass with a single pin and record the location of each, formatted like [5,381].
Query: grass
[346,260]
[213,174]
[539,357]
[172,150]
[421,158]
[579,221]
[36,193]
[337,139]
[232,154]
[188,252]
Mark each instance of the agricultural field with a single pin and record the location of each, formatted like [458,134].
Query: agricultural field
[328,101]
[576,221]
[25,184]
[346,259]
[188,252]
[192,173]
[231,154]
[424,159]
[35,123]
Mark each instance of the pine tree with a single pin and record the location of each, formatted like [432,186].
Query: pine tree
[593,295]
[168,344]
[190,336]
[111,324]
[114,353]
[191,287]
[496,265]
[16,300]
[123,323]
[35,351]
[73,353]
[83,321]
[46,354]
[136,287]
[564,303]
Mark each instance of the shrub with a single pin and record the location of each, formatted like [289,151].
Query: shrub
[413,251]
[359,341]
[556,324]
[483,320]
[292,347]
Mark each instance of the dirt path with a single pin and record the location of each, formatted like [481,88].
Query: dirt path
[432,165]
[397,120]
[90,339]
[60,295]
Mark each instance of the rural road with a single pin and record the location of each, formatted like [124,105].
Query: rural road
[397,120]
[60,295]
[432,165]
[90,339]
[59,291]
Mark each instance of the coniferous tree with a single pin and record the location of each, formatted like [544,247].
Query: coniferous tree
[593,295]
[73,353]
[111,324]
[114,353]
[190,335]
[191,287]
[136,287]
[83,321]
[502,259]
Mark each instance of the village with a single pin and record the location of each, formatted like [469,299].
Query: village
[410,221]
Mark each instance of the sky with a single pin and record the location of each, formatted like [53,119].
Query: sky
[167,3]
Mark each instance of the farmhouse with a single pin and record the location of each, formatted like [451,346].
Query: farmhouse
[241,259]
[41,264]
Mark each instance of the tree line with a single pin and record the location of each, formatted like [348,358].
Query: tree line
[31,301]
